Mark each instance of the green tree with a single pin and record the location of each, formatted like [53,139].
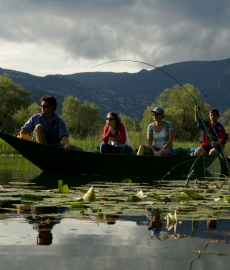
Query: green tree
[23,114]
[82,119]
[12,97]
[129,123]
[179,109]
[225,120]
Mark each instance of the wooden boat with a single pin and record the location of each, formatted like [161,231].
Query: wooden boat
[50,158]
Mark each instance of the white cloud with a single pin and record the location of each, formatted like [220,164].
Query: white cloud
[51,36]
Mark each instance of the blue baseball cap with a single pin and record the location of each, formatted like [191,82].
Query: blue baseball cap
[158,110]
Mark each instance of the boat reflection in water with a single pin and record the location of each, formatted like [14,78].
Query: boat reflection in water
[49,179]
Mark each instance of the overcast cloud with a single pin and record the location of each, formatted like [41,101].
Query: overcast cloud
[68,36]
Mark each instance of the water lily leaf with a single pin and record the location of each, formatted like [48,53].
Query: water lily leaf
[74,205]
[210,191]
[106,200]
[31,198]
[62,188]
[204,251]
[126,181]
[134,198]
[90,195]
[193,194]
[227,198]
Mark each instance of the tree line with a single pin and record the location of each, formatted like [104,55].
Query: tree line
[83,119]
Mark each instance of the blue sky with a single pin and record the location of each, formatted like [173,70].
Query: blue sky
[70,36]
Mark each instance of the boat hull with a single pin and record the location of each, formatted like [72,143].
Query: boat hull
[50,158]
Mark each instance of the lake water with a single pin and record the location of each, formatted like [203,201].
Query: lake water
[54,237]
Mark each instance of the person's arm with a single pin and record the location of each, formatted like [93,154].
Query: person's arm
[150,138]
[150,143]
[66,143]
[106,134]
[62,133]
[30,124]
[221,138]
[170,140]
[121,138]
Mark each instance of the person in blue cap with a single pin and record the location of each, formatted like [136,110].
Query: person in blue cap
[159,136]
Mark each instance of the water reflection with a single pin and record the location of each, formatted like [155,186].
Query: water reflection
[44,224]
[54,237]
[124,243]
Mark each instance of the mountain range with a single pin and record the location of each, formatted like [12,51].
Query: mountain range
[130,93]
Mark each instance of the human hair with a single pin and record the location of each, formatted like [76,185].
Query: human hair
[116,118]
[215,111]
[51,100]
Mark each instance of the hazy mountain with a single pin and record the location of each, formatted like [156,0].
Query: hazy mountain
[130,93]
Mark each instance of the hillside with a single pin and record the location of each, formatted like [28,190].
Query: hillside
[130,93]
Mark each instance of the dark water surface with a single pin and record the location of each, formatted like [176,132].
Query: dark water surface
[42,238]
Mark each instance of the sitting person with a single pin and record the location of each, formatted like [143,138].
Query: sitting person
[216,131]
[47,127]
[159,136]
[116,133]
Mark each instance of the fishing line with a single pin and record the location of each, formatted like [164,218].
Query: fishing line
[140,62]
[194,100]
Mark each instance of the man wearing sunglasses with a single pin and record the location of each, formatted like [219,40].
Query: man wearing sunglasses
[47,127]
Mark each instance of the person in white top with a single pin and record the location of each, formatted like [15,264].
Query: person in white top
[159,136]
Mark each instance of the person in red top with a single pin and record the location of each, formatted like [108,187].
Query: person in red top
[215,129]
[115,137]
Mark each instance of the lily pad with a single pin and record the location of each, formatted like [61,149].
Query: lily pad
[31,198]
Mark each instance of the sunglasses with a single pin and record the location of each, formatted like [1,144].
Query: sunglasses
[110,119]
[44,106]
[155,114]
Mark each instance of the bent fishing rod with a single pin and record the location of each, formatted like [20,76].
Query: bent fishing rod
[194,100]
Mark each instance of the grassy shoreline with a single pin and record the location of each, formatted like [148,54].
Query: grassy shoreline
[91,143]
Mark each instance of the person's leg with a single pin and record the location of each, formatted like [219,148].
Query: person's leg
[212,151]
[199,151]
[105,148]
[141,150]
[125,149]
[39,134]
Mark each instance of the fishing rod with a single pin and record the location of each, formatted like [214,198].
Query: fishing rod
[194,100]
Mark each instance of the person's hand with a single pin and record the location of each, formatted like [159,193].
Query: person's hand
[215,144]
[156,153]
[66,147]
[112,129]
[162,152]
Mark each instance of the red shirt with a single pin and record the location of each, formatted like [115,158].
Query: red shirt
[121,137]
[218,135]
